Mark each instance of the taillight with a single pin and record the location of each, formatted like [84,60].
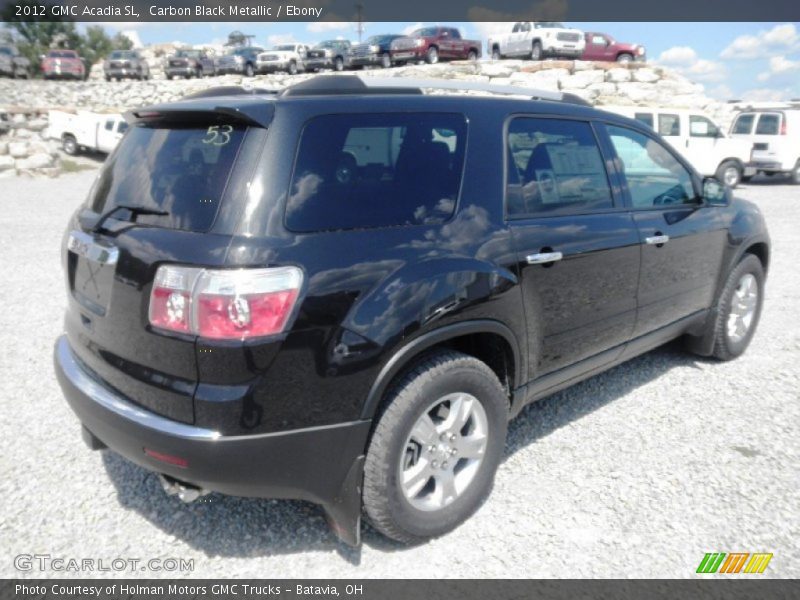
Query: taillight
[224,304]
[783,125]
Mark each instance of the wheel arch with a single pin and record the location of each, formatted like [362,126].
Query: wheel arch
[487,340]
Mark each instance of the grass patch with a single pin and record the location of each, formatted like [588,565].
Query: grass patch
[70,166]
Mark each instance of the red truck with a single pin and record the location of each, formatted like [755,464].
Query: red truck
[603,47]
[59,64]
[433,44]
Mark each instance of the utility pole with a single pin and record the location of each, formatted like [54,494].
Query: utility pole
[359,20]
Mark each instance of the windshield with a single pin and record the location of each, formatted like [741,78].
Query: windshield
[426,32]
[550,24]
[187,53]
[329,44]
[381,39]
[182,171]
[61,54]
[284,48]
[123,54]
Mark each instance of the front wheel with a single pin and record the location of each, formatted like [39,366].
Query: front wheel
[472,56]
[386,61]
[249,71]
[796,173]
[432,56]
[496,53]
[434,452]
[729,173]
[536,51]
[292,68]
[625,58]
[338,64]
[69,144]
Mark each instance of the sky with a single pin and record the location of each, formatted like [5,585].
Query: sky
[745,61]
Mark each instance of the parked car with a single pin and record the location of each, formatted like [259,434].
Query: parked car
[283,57]
[353,322]
[603,47]
[241,60]
[330,54]
[774,135]
[189,63]
[376,51]
[122,64]
[63,64]
[432,44]
[12,63]
[84,131]
[699,139]
[538,40]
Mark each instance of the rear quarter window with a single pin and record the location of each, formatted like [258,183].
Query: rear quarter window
[743,124]
[362,171]
[768,124]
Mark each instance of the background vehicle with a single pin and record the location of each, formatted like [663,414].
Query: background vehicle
[538,40]
[376,51]
[12,63]
[63,64]
[432,44]
[330,54]
[86,131]
[354,321]
[603,47]
[242,60]
[774,135]
[697,138]
[122,64]
[188,64]
[283,57]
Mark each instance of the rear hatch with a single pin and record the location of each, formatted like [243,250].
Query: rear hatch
[167,195]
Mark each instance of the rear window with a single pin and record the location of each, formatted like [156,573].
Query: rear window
[646,118]
[376,170]
[669,124]
[768,124]
[743,124]
[182,171]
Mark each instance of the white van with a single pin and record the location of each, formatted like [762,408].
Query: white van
[774,134]
[700,140]
[85,130]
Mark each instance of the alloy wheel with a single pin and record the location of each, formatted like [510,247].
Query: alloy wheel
[743,307]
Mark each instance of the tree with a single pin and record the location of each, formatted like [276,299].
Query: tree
[96,44]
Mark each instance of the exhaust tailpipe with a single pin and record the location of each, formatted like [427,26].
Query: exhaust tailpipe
[185,491]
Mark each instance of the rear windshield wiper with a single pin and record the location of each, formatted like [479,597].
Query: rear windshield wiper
[134,210]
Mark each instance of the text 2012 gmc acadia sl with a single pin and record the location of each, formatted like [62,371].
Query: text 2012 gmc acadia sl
[343,292]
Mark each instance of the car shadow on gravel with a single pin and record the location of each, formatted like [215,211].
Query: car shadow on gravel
[227,526]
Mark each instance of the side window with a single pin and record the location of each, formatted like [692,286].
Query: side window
[360,171]
[702,127]
[743,124]
[768,124]
[646,118]
[517,28]
[669,124]
[599,40]
[654,175]
[122,127]
[554,167]
[109,125]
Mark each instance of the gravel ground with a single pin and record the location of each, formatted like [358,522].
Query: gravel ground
[637,472]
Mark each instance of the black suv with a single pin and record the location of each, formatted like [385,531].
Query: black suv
[342,292]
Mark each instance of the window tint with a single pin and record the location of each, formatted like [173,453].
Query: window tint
[555,167]
[669,125]
[180,171]
[654,175]
[109,124]
[702,127]
[360,171]
[744,124]
[646,118]
[768,124]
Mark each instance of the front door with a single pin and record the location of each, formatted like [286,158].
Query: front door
[577,248]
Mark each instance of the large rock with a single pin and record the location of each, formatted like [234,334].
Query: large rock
[18,149]
[646,75]
[39,160]
[582,79]
[546,80]
[618,75]
[3,148]
[639,93]
[6,162]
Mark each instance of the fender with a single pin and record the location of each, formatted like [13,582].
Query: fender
[406,353]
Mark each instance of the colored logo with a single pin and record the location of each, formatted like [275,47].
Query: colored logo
[734,562]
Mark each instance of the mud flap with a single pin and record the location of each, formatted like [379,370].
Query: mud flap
[703,345]
[343,513]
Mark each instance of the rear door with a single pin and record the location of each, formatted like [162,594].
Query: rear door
[682,239]
[577,247]
[702,146]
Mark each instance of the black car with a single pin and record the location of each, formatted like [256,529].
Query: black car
[343,292]
[188,64]
[375,52]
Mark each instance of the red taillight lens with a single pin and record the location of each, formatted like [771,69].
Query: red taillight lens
[783,125]
[224,304]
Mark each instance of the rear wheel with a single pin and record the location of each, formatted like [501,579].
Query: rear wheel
[729,173]
[292,68]
[434,452]
[248,70]
[796,173]
[386,60]
[69,144]
[472,55]
[338,64]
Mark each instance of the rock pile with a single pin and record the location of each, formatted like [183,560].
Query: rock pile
[24,147]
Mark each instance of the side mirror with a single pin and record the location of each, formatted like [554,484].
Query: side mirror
[715,193]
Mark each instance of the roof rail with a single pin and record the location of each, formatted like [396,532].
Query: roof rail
[229,90]
[355,84]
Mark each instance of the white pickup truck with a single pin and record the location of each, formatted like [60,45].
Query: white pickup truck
[86,131]
[538,40]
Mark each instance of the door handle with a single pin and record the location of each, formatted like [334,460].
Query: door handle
[657,240]
[543,258]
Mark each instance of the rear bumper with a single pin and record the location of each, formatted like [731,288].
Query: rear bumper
[122,72]
[319,464]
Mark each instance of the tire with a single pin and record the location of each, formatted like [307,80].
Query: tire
[169,77]
[108,79]
[199,72]
[386,60]
[248,70]
[432,55]
[447,377]
[338,64]
[625,58]
[292,68]
[536,51]
[726,345]
[795,175]
[496,53]
[729,173]
[472,55]
[69,144]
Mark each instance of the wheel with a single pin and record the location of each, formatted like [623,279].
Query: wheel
[496,53]
[625,58]
[434,452]
[248,70]
[69,144]
[432,55]
[108,79]
[729,173]
[292,68]
[472,55]
[386,60]
[199,72]
[169,76]
[536,51]
[338,64]
[796,173]
[738,308]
